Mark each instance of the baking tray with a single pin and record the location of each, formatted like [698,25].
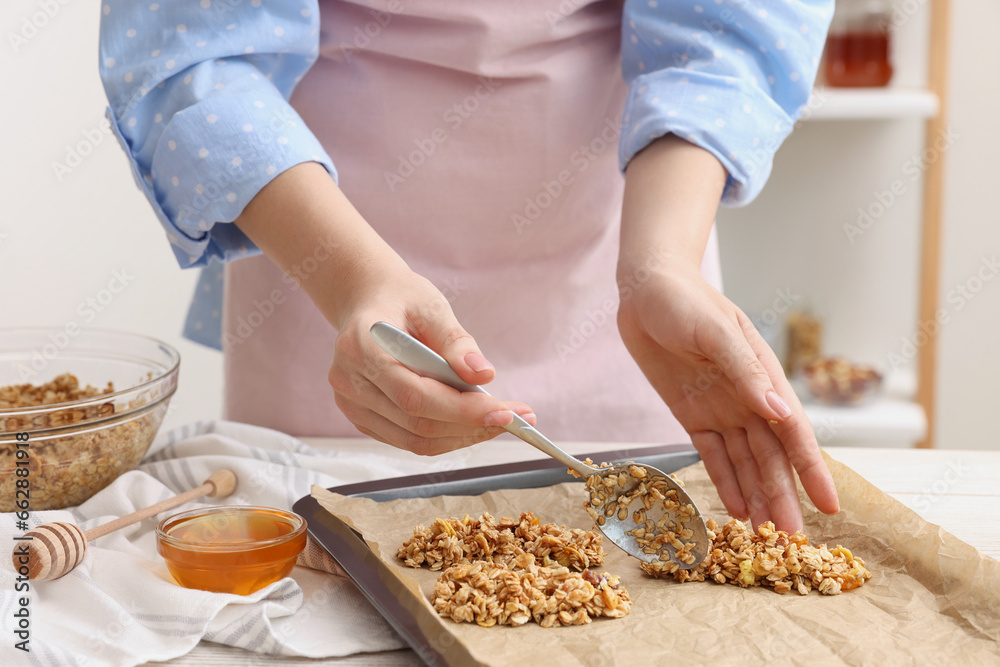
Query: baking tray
[349,549]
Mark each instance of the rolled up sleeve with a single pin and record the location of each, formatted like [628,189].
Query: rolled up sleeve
[731,77]
[198,97]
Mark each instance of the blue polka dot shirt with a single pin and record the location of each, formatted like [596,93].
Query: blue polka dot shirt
[198,97]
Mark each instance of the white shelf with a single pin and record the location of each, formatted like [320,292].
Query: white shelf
[870,104]
[885,422]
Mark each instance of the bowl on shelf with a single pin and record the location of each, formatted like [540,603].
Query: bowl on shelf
[235,549]
[62,444]
[837,381]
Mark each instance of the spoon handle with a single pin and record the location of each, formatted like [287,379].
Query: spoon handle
[424,361]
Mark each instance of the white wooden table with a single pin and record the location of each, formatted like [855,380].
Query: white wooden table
[958,490]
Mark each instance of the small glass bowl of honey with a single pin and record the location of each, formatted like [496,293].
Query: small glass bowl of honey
[231,548]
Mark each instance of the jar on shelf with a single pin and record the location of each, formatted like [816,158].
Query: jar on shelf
[805,340]
[857,48]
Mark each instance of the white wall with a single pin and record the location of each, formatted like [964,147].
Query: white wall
[969,345]
[60,240]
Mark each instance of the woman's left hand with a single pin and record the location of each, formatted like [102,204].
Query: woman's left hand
[700,352]
[724,384]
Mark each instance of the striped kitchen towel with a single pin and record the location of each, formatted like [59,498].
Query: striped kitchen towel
[121,606]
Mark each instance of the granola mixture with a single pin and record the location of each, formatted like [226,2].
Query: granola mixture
[489,594]
[771,558]
[509,572]
[63,389]
[611,495]
[65,471]
[451,541]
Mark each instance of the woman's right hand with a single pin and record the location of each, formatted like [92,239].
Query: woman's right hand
[387,401]
[362,281]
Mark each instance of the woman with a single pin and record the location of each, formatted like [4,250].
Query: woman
[480,191]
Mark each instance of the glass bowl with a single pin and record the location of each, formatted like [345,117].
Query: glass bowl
[231,548]
[58,455]
[837,381]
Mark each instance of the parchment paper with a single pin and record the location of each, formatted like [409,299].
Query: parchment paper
[933,599]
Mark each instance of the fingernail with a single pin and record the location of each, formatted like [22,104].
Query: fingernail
[498,418]
[477,362]
[530,417]
[778,405]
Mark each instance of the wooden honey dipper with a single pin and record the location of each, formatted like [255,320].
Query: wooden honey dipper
[57,548]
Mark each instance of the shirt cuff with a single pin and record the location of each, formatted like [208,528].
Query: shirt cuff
[211,160]
[731,118]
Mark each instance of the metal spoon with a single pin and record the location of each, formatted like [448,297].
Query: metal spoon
[619,526]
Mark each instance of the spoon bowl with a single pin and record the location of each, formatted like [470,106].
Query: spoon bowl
[651,526]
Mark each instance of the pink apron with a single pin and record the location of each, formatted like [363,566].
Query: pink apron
[480,140]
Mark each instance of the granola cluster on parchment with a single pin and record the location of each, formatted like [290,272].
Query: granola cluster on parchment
[737,555]
[509,572]
[771,558]
[490,594]
[451,541]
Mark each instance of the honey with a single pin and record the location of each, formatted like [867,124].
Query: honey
[858,60]
[235,549]
[857,48]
